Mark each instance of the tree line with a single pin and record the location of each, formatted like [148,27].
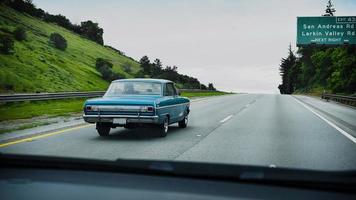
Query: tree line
[155,69]
[319,69]
[150,69]
[87,29]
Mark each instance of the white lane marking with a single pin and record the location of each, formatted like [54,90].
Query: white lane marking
[199,99]
[346,134]
[213,97]
[226,118]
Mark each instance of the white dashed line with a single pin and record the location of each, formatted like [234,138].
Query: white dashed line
[226,118]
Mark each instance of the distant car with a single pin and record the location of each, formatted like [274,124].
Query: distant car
[131,103]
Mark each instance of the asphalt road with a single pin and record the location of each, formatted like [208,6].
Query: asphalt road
[253,129]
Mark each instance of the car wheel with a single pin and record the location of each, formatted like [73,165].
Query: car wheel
[183,123]
[103,129]
[163,129]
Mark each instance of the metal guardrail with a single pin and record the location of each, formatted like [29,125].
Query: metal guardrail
[61,95]
[349,100]
[48,96]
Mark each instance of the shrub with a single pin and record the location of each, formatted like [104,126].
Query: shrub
[105,68]
[115,76]
[106,73]
[127,67]
[58,41]
[6,43]
[102,63]
[8,86]
[20,34]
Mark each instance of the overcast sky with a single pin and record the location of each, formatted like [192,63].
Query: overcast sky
[237,45]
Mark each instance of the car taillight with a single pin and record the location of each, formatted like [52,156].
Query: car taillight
[146,109]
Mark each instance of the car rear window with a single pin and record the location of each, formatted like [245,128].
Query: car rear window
[134,88]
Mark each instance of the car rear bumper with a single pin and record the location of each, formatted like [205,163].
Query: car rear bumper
[129,118]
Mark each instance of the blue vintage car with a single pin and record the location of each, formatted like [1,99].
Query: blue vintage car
[135,102]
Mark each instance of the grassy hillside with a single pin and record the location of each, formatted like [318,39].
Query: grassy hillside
[35,66]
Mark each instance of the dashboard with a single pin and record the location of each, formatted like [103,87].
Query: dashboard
[22,183]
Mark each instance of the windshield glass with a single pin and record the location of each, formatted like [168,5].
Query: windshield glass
[133,88]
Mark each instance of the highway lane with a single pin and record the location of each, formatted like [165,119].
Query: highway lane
[254,129]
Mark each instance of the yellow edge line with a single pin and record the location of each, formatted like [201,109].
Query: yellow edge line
[44,135]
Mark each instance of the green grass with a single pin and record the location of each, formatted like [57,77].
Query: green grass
[36,66]
[53,108]
[50,108]
[203,94]
[314,91]
[26,126]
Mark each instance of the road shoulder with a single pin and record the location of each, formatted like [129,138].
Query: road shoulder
[341,115]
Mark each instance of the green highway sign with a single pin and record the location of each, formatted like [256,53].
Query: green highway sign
[326,30]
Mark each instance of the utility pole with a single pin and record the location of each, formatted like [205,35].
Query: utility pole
[329,11]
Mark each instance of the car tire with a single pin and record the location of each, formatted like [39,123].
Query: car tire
[129,126]
[163,128]
[184,122]
[103,129]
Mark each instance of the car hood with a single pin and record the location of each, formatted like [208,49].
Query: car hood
[123,100]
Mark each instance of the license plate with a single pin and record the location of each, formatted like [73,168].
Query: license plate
[119,121]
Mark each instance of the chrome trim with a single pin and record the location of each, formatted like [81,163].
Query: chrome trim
[120,116]
[131,118]
[120,108]
[173,105]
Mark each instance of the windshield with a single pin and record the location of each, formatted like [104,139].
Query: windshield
[133,88]
[232,82]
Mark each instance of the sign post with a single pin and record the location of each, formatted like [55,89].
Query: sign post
[328,30]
